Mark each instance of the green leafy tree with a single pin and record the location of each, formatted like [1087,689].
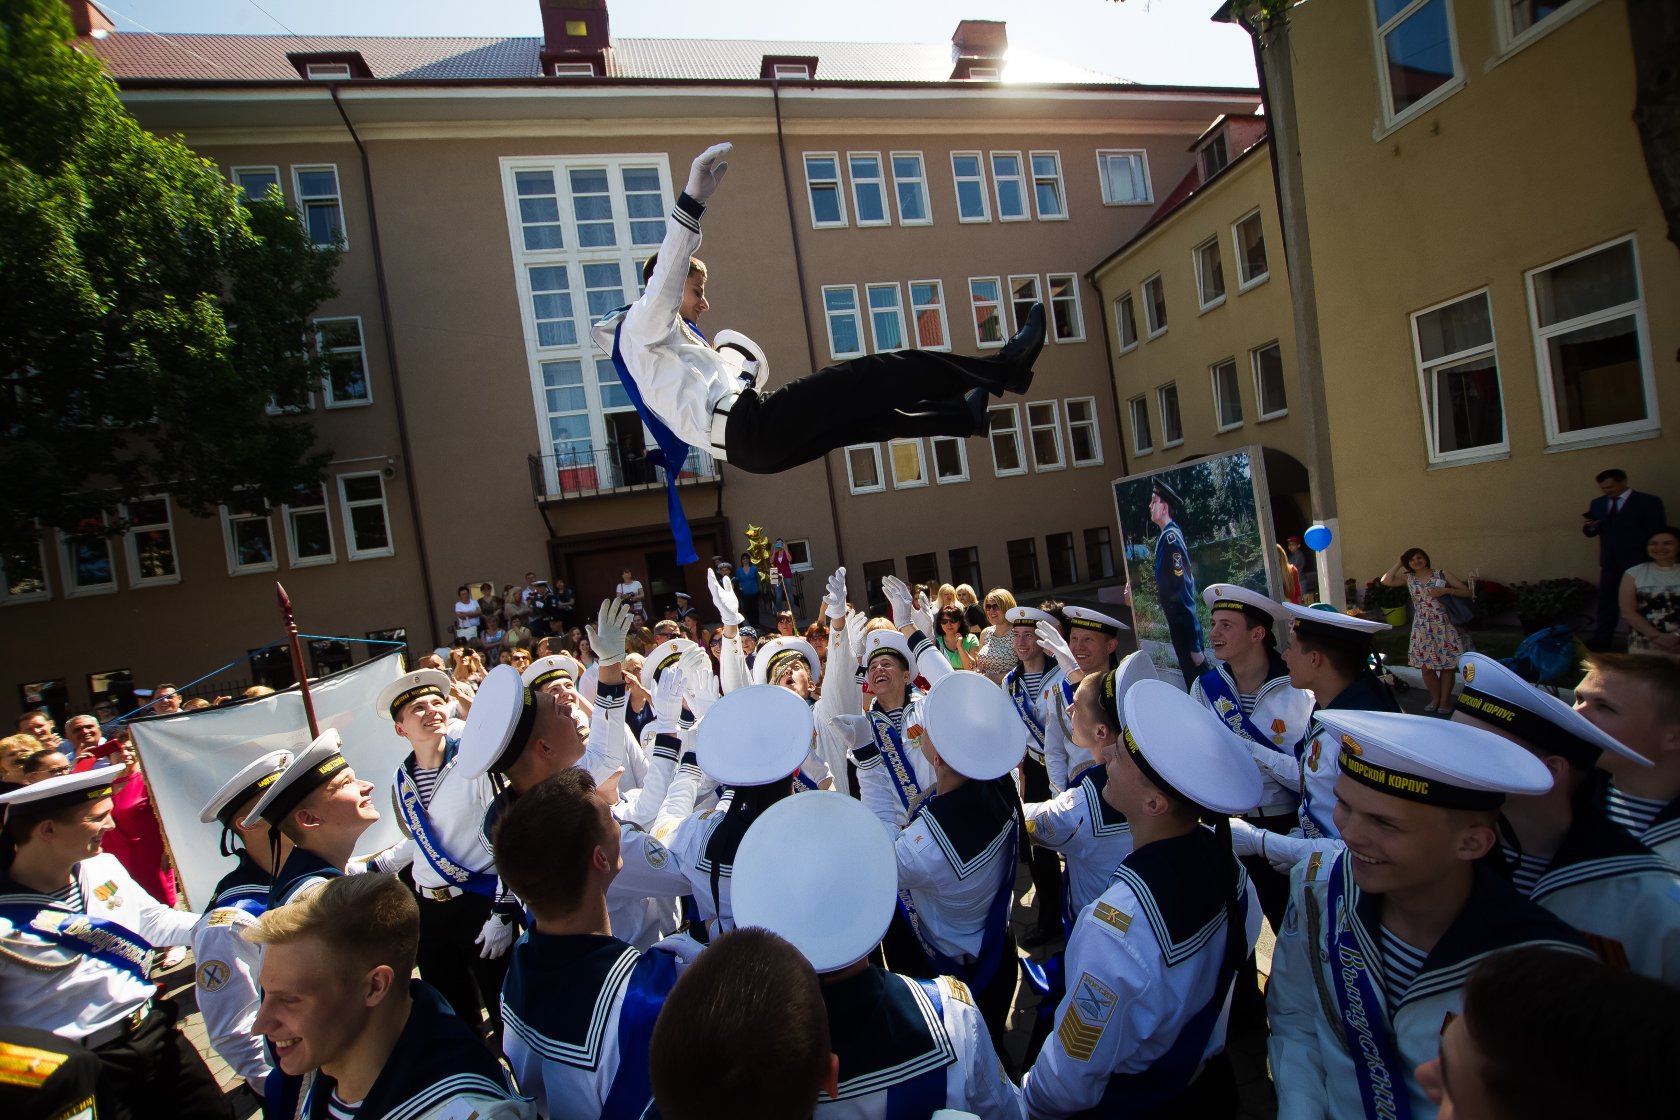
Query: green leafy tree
[148,318]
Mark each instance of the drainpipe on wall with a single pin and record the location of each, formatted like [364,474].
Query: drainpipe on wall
[805,310]
[396,381]
[1110,375]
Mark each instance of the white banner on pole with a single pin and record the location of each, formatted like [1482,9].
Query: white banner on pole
[187,758]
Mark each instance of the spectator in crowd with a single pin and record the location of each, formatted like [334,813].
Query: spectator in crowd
[492,636]
[1291,576]
[13,750]
[521,658]
[781,568]
[195,704]
[39,723]
[945,597]
[960,648]
[746,585]
[1436,643]
[256,691]
[1306,565]
[165,700]
[48,762]
[136,840]
[82,736]
[1650,596]
[970,603]
[786,627]
[563,600]
[1622,520]
[997,645]
[517,635]
[467,615]
[631,592]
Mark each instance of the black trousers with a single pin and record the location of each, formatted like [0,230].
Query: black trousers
[1609,606]
[1044,864]
[865,400]
[451,963]
[156,1074]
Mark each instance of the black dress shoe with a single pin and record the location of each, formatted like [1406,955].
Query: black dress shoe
[1022,351]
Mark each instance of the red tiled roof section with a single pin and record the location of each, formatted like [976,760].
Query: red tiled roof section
[131,55]
[1243,135]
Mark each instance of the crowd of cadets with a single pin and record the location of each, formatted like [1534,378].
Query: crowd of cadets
[793,891]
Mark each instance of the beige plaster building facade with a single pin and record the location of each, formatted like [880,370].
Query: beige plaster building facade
[494,196]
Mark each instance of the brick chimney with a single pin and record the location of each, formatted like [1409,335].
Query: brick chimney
[979,44]
[86,17]
[574,35]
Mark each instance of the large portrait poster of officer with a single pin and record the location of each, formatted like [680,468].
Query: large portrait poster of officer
[1182,528]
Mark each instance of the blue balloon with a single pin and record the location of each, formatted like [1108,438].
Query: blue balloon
[1317,538]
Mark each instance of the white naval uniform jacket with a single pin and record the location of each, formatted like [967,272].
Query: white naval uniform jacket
[560,1012]
[1091,834]
[1281,712]
[681,378]
[1143,960]
[953,859]
[73,995]
[1049,706]
[884,1030]
[456,814]
[228,966]
[877,787]
[1312,1066]
[1663,836]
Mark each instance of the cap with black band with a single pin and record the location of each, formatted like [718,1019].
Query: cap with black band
[1449,765]
[1495,696]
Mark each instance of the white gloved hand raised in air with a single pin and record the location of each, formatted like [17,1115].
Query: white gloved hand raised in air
[707,172]
[835,600]
[1050,640]
[611,627]
[728,604]
[899,597]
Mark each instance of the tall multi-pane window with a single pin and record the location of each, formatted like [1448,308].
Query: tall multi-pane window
[927,308]
[85,553]
[910,188]
[318,200]
[309,538]
[1143,438]
[1006,440]
[845,325]
[1172,427]
[1588,317]
[1045,428]
[923,567]
[965,567]
[255,182]
[969,172]
[1083,433]
[1125,322]
[1227,395]
[1023,564]
[592,207]
[1049,200]
[1067,323]
[1154,305]
[1210,274]
[886,316]
[1058,549]
[644,202]
[1458,370]
[1010,182]
[1418,56]
[248,533]
[863,468]
[1250,242]
[986,294]
[340,343]
[23,571]
[150,542]
[869,189]
[1270,395]
[539,210]
[1125,177]
[950,459]
[1099,553]
[367,524]
[822,186]
[1024,291]
[909,468]
[551,306]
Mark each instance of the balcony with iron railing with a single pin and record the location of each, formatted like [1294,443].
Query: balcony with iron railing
[604,471]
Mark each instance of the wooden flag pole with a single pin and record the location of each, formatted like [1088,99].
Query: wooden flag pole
[297,660]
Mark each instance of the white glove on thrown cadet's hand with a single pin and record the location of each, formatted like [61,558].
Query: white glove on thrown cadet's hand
[496,936]
[606,637]
[707,172]
[728,604]
[898,597]
[835,600]
[855,730]
[1051,642]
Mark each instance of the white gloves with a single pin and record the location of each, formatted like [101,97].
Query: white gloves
[922,619]
[1245,838]
[496,936]
[702,682]
[668,701]
[835,600]
[606,637]
[1051,642]
[857,625]
[855,730]
[724,599]
[898,596]
[707,172]
[360,865]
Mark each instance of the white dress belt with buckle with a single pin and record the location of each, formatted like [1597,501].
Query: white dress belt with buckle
[440,894]
[120,1029]
[720,421]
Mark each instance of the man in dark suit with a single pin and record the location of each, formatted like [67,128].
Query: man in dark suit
[1622,520]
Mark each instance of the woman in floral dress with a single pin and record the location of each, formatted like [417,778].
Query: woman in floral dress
[1435,639]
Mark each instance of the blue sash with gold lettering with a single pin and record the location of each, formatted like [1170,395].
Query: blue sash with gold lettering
[1024,707]
[100,938]
[896,757]
[419,824]
[1376,1061]
[1228,707]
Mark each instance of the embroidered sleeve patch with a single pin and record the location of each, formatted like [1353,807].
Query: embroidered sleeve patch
[26,1066]
[214,975]
[1109,915]
[958,991]
[221,917]
[1314,862]
[1087,1015]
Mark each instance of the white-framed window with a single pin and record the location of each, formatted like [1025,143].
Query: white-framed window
[1009,182]
[845,325]
[591,191]
[1248,238]
[1215,154]
[909,469]
[248,535]
[1125,322]
[950,459]
[869,189]
[1005,437]
[149,544]
[574,70]
[1417,55]
[1143,438]
[984,74]
[326,71]
[1024,291]
[1210,274]
[822,187]
[1067,321]
[367,521]
[1592,345]
[1154,305]
[341,346]
[791,71]
[1227,396]
[799,554]
[986,294]
[86,558]
[1172,425]
[552,306]
[24,571]
[1458,376]
[863,469]
[1044,429]
[539,210]
[886,317]
[969,173]
[927,308]
[309,537]
[316,187]
[1049,199]
[1084,436]
[1271,396]
[910,187]
[255,182]
[644,205]
[1125,177]
[1523,21]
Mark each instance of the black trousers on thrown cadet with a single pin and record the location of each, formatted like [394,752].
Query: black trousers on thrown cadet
[870,399]
[156,1073]
[451,963]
